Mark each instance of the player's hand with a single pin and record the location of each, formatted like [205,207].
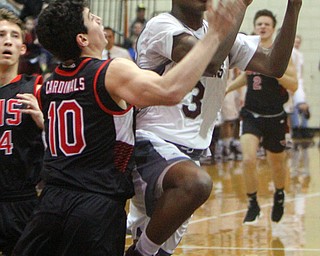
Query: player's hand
[31,107]
[303,107]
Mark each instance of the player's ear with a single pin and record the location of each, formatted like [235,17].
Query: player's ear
[23,49]
[82,40]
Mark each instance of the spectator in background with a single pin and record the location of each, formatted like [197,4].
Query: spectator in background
[113,51]
[12,5]
[131,47]
[30,8]
[140,17]
[301,113]
[30,61]
[130,43]
[230,110]
[137,27]
[299,120]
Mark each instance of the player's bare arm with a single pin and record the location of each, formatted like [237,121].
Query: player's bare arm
[237,83]
[274,61]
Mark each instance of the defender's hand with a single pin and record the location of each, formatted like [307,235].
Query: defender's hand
[32,108]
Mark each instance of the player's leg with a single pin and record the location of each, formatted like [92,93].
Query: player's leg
[274,143]
[249,145]
[277,162]
[175,187]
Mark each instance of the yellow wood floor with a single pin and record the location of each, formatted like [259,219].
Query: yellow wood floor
[216,228]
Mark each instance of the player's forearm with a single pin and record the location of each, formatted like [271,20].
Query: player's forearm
[38,119]
[283,44]
[240,81]
[289,82]
[226,45]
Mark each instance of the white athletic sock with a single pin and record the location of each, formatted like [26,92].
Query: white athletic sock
[145,246]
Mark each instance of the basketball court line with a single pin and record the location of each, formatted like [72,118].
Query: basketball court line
[189,247]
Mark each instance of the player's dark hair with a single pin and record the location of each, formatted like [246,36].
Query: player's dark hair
[59,24]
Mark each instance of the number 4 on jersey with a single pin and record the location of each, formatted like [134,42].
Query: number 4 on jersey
[6,142]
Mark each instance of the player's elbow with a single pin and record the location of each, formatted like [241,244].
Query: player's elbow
[272,71]
[275,69]
[277,72]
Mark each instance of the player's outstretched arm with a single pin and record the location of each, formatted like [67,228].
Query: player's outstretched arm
[274,61]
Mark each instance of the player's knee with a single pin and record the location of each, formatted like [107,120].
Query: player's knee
[200,187]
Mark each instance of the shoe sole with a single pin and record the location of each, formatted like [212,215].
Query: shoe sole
[254,222]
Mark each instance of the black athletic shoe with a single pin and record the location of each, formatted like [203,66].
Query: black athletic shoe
[253,214]
[278,206]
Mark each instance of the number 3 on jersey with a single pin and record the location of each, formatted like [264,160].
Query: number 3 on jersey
[66,128]
[196,101]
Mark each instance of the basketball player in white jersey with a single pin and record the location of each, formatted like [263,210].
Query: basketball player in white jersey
[169,185]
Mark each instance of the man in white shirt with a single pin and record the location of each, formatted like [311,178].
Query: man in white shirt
[113,51]
[301,114]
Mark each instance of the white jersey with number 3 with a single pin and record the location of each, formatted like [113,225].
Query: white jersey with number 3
[191,122]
